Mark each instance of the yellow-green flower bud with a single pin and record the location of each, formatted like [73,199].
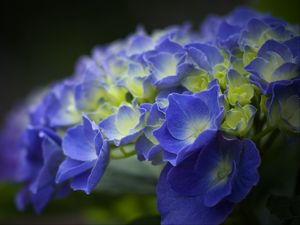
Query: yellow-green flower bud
[238,120]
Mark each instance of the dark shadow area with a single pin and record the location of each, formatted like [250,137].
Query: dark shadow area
[41,41]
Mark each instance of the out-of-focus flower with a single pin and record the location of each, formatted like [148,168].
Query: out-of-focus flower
[274,63]
[284,106]
[168,64]
[43,156]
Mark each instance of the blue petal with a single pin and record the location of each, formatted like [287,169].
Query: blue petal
[287,71]
[179,209]
[22,198]
[99,168]
[241,15]
[190,114]
[88,95]
[164,64]
[274,46]
[78,146]
[204,138]
[109,128]
[62,110]
[211,98]
[71,168]
[253,32]
[228,35]
[294,46]
[226,30]
[52,158]
[155,116]
[86,175]
[79,183]
[169,46]
[41,198]
[90,129]
[162,97]
[167,141]
[217,192]
[146,150]
[247,175]
[205,56]
[139,44]
[200,58]
[196,176]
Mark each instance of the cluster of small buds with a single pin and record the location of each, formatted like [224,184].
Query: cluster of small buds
[200,102]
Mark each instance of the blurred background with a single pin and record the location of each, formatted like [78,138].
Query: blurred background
[40,43]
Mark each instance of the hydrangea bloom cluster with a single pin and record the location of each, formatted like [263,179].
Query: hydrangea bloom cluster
[188,99]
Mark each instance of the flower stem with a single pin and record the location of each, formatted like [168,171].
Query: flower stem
[122,153]
[126,155]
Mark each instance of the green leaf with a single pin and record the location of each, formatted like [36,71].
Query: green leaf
[285,208]
[130,176]
[146,220]
[278,175]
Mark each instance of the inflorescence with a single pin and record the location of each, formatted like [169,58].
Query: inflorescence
[200,102]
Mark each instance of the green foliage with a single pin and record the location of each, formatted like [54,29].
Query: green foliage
[288,10]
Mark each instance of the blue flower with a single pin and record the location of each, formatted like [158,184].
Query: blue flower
[162,97]
[284,106]
[294,46]
[205,56]
[225,32]
[87,156]
[90,89]
[58,107]
[43,156]
[210,64]
[147,145]
[171,96]
[12,155]
[168,64]
[139,43]
[125,126]
[257,32]
[191,122]
[274,63]
[138,81]
[205,186]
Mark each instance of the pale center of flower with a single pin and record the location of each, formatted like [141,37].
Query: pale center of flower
[198,126]
[127,121]
[223,170]
[168,67]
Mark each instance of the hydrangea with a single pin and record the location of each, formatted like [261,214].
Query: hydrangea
[205,186]
[87,156]
[238,120]
[197,117]
[274,63]
[201,102]
[147,145]
[284,106]
[124,126]
[43,157]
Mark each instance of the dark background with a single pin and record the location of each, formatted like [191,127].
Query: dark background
[40,41]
